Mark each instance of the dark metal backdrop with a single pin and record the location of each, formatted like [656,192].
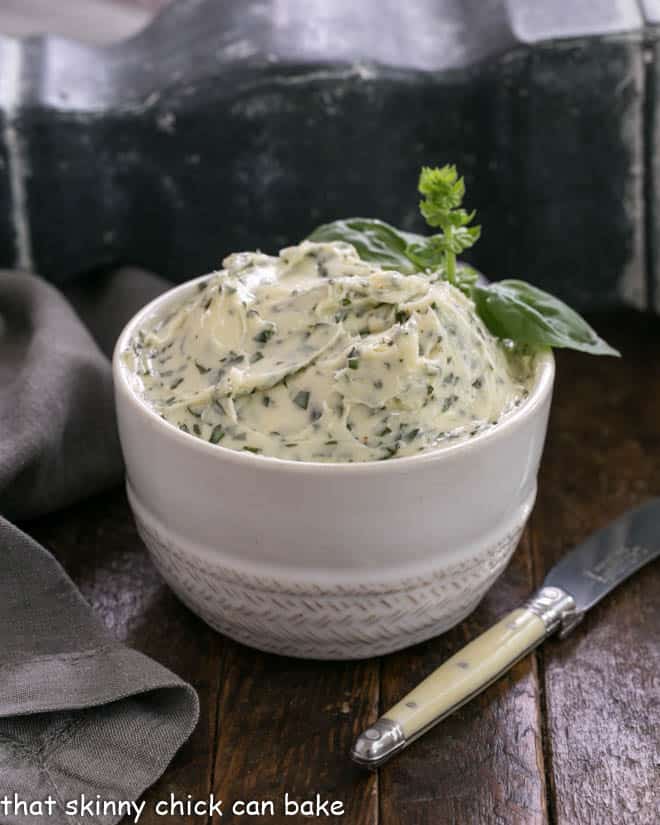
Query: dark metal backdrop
[244,123]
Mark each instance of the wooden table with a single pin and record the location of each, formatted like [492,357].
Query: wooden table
[571,736]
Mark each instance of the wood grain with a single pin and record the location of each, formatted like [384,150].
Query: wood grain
[569,737]
[485,763]
[602,684]
[287,725]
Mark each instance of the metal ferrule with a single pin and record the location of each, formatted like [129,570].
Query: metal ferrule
[556,609]
[378,743]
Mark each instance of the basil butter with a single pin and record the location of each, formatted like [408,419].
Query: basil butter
[316,355]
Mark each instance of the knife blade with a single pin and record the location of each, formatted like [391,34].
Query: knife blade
[572,587]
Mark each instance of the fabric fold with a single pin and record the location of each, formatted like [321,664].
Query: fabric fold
[80,713]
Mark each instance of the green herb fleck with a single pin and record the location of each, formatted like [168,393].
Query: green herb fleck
[264,335]
[217,434]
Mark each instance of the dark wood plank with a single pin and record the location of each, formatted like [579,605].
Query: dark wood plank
[601,683]
[286,725]
[484,764]
[271,725]
[98,545]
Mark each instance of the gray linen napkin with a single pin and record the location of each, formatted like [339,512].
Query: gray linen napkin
[80,713]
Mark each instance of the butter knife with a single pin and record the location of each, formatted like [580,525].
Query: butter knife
[573,586]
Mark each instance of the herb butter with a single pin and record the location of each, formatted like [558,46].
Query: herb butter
[317,355]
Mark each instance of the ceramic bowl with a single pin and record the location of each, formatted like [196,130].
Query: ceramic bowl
[331,561]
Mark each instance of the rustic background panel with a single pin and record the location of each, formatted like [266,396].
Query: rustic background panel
[246,123]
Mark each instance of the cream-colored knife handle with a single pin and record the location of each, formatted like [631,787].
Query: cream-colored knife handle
[463,676]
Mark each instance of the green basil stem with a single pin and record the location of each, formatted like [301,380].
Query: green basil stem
[450,265]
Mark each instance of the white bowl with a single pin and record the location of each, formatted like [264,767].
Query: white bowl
[329,561]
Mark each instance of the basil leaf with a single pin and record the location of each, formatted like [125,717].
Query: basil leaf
[528,315]
[374,241]
[427,253]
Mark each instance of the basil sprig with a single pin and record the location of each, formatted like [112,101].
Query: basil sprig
[511,309]
[406,252]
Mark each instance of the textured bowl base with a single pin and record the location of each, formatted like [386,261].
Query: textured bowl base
[351,649]
[326,619]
